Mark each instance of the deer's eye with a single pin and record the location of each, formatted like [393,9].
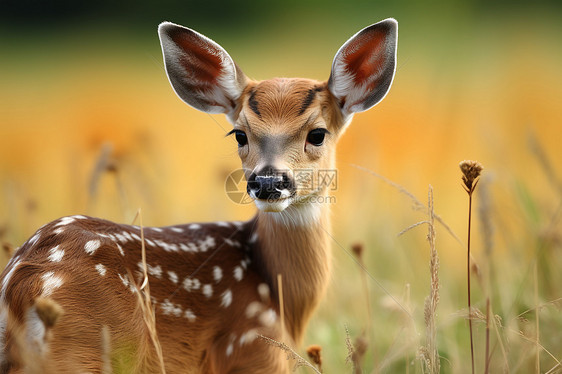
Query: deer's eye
[240,136]
[316,137]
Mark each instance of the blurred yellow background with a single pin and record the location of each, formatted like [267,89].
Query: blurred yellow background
[90,125]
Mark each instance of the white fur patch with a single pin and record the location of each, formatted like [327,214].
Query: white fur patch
[120,249]
[101,269]
[169,308]
[191,284]
[208,243]
[179,230]
[92,246]
[217,274]
[226,298]
[56,254]
[155,271]
[65,221]
[8,276]
[173,277]
[51,283]
[194,226]
[253,238]
[238,273]
[208,291]
[268,318]
[248,337]
[189,315]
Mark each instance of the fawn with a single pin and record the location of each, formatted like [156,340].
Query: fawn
[213,286]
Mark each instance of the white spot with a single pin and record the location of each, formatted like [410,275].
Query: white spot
[79,217]
[217,274]
[226,298]
[248,337]
[65,221]
[136,237]
[238,224]
[245,262]
[229,350]
[166,246]
[150,242]
[3,325]
[127,235]
[56,254]
[51,282]
[101,269]
[6,279]
[121,238]
[169,308]
[179,230]
[191,284]
[92,246]
[253,238]
[124,280]
[205,245]
[173,277]
[120,249]
[208,290]
[189,247]
[268,318]
[58,231]
[232,243]
[263,291]
[238,273]
[34,239]
[189,315]
[155,271]
[194,226]
[253,309]
[157,229]
[222,224]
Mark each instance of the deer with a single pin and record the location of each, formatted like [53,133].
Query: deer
[215,287]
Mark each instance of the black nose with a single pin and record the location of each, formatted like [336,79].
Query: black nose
[268,183]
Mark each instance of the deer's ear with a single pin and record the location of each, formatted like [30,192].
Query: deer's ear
[200,71]
[363,68]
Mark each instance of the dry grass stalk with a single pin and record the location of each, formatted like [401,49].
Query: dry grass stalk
[314,352]
[358,249]
[145,303]
[281,305]
[106,351]
[487,356]
[470,175]
[291,354]
[355,352]
[429,353]
[537,349]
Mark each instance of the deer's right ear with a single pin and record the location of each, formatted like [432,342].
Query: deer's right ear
[200,71]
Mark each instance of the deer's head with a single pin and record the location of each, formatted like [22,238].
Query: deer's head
[286,129]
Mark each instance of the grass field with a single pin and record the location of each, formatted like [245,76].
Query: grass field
[466,88]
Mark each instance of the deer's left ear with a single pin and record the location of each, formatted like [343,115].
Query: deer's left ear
[364,67]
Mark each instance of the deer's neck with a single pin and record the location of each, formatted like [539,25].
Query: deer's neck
[295,244]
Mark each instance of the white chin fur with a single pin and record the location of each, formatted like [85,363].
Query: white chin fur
[272,206]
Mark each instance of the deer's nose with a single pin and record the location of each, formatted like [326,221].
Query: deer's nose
[270,184]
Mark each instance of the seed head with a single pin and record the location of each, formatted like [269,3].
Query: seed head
[471,172]
[357,249]
[315,354]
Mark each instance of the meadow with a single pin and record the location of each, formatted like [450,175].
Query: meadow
[89,125]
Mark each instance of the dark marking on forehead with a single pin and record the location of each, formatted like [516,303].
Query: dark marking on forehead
[253,103]
[311,94]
